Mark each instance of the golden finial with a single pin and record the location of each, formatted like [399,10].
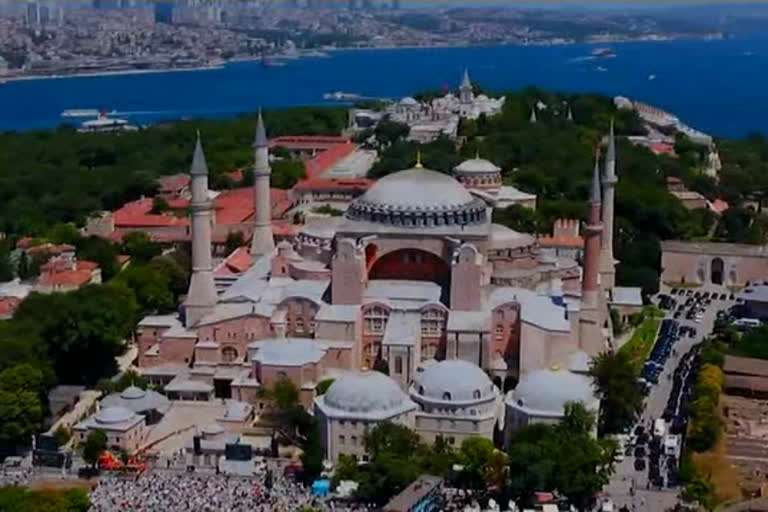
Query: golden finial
[555,367]
[418,160]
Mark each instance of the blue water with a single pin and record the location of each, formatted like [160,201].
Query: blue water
[716,86]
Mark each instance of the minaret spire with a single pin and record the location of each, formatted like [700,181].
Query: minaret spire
[262,242]
[591,319]
[607,261]
[201,296]
[533,114]
[465,89]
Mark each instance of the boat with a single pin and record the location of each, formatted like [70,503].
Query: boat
[84,112]
[104,123]
[603,52]
[651,77]
[601,69]
[341,96]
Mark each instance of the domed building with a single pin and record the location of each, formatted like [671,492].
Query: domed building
[483,179]
[356,401]
[415,271]
[124,428]
[456,401]
[541,397]
[151,404]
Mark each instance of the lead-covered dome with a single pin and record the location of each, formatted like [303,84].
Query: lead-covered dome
[453,381]
[547,392]
[418,197]
[477,165]
[364,392]
[111,415]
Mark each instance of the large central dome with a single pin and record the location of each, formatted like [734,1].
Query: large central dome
[418,197]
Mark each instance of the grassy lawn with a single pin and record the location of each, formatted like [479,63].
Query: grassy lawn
[640,344]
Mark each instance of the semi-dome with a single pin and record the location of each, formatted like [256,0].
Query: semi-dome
[364,392]
[477,165]
[409,101]
[547,391]
[418,197]
[133,393]
[454,380]
[110,415]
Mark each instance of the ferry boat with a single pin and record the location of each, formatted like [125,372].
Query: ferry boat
[341,96]
[603,52]
[81,112]
[104,123]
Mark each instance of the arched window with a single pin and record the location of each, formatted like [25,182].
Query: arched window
[476,394]
[399,365]
[432,322]
[446,396]
[375,320]
[229,354]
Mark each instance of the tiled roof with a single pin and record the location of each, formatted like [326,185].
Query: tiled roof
[8,306]
[324,161]
[307,142]
[236,263]
[324,184]
[136,214]
[719,206]
[69,277]
[174,182]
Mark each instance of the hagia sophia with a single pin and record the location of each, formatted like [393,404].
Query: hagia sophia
[479,330]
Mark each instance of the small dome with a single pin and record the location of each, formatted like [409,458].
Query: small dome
[213,429]
[453,380]
[364,392]
[477,165]
[579,362]
[133,393]
[113,415]
[482,97]
[423,191]
[503,237]
[547,391]
[409,101]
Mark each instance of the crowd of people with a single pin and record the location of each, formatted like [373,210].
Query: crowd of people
[185,492]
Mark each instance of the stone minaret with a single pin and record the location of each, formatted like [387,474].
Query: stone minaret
[533,118]
[201,297]
[607,266]
[591,304]
[465,89]
[263,242]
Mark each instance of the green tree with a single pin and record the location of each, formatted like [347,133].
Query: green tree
[564,457]
[476,456]
[286,173]
[138,245]
[100,251]
[63,233]
[6,266]
[517,217]
[21,499]
[22,269]
[322,386]
[21,406]
[234,241]
[388,132]
[159,205]
[151,286]
[95,444]
[62,435]
[614,379]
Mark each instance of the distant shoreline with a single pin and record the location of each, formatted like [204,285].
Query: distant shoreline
[660,39]
[23,78]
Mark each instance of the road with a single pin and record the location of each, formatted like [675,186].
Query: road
[626,477]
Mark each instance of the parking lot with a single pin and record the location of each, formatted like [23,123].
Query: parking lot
[652,484]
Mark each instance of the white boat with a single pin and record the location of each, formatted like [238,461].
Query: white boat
[85,112]
[103,123]
[651,77]
[341,96]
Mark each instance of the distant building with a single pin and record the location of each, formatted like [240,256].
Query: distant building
[755,299]
[565,241]
[124,429]
[690,199]
[715,263]
[423,495]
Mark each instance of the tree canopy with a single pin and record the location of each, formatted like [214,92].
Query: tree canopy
[614,378]
[21,499]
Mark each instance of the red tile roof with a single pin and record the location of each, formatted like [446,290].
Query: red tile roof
[324,161]
[236,263]
[136,214]
[87,265]
[673,180]
[237,205]
[307,142]
[8,305]
[171,184]
[719,205]
[662,148]
[70,277]
[325,184]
